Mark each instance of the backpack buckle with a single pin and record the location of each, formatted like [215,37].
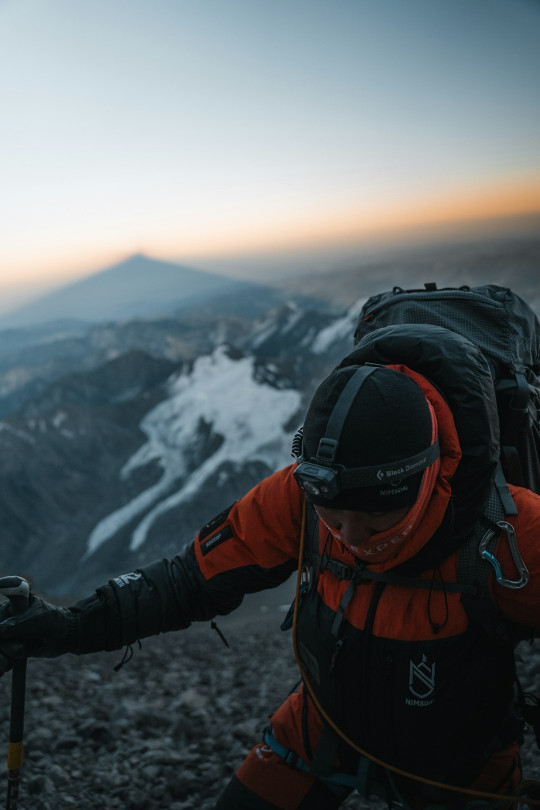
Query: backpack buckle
[508,529]
[341,570]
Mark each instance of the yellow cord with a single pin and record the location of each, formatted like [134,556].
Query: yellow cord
[468,791]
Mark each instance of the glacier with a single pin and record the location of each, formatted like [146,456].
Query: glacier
[250,416]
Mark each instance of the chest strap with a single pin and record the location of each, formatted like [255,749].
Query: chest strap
[361,574]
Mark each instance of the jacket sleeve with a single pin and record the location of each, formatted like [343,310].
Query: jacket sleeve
[521,605]
[251,546]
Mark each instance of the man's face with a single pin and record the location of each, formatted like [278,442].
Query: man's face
[357,528]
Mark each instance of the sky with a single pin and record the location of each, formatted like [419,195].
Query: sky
[213,132]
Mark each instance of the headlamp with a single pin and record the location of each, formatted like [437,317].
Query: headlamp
[316,480]
[321,481]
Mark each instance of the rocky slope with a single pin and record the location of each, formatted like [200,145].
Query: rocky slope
[167,730]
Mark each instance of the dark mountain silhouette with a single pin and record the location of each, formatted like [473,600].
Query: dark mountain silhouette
[140,287]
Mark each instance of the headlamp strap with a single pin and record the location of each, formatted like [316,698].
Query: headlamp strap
[391,472]
[328,445]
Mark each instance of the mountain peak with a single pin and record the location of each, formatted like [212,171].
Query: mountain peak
[137,287]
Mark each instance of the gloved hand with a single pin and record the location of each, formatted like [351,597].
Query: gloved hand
[10,653]
[41,631]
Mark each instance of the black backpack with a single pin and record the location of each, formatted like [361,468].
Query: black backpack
[507,332]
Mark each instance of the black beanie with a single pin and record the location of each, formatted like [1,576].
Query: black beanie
[389,420]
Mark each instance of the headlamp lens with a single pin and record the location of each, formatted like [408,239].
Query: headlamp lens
[311,488]
[317,481]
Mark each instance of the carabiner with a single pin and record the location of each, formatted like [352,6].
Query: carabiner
[508,529]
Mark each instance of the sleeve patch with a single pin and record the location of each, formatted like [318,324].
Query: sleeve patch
[216,540]
[209,527]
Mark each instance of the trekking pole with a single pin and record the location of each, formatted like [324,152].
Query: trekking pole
[17,591]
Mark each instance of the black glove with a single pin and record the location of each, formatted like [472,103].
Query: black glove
[40,631]
[10,654]
[164,595]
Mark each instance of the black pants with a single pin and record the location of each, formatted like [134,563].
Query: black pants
[238,797]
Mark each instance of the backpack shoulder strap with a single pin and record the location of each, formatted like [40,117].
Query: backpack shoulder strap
[505,500]
[311,546]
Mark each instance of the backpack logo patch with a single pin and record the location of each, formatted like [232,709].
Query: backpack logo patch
[421,683]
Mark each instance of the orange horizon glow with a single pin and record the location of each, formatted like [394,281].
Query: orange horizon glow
[425,216]
[401,219]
